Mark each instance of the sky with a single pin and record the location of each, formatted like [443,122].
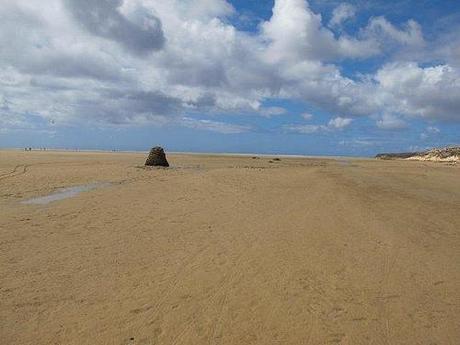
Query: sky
[246,76]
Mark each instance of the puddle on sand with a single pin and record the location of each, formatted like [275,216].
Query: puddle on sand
[65,193]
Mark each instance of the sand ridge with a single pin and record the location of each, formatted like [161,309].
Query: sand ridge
[228,250]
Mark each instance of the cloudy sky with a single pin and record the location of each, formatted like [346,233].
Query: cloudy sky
[283,76]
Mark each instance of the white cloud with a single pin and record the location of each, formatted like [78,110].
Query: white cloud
[213,126]
[334,124]
[272,111]
[410,35]
[307,116]
[139,31]
[303,129]
[296,33]
[156,61]
[430,92]
[390,122]
[342,13]
[358,143]
[430,132]
[433,130]
[339,122]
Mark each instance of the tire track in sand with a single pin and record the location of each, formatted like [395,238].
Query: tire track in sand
[18,170]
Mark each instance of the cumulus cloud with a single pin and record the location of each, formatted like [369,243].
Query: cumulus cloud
[295,32]
[430,92]
[142,33]
[410,34]
[154,61]
[342,13]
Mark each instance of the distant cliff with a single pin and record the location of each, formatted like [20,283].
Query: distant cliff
[446,154]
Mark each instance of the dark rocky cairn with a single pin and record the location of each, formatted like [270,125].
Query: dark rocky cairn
[157,158]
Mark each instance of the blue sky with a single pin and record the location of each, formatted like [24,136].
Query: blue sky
[286,76]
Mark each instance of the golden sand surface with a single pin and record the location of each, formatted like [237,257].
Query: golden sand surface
[228,250]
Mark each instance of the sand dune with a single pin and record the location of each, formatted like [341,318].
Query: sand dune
[228,250]
[445,155]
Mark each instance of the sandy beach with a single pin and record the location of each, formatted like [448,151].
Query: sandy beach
[228,250]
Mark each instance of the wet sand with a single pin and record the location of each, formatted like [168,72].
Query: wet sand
[228,250]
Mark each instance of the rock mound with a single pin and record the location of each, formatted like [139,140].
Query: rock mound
[157,158]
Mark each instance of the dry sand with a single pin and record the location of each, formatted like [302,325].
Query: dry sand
[229,250]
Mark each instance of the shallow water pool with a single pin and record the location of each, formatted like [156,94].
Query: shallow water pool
[65,193]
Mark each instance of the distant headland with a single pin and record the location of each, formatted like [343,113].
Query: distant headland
[446,154]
